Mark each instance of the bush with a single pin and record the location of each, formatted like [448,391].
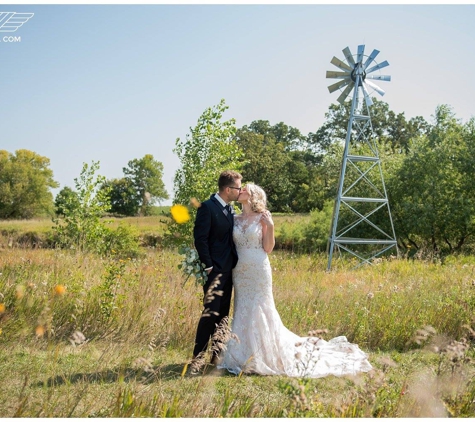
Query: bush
[122,242]
[306,235]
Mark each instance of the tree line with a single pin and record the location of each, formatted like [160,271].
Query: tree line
[26,180]
[427,167]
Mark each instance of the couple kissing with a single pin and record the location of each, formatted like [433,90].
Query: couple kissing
[234,249]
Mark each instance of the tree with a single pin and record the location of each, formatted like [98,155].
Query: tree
[279,159]
[81,228]
[123,197]
[432,190]
[387,126]
[25,183]
[208,149]
[145,177]
[266,165]
[66,201]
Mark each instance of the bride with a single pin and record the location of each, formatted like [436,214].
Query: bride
[260,343]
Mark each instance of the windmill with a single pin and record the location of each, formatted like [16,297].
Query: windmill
[361,224]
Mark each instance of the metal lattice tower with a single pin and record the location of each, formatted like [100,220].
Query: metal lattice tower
[361,224]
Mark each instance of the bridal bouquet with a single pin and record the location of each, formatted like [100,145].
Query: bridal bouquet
[192,266]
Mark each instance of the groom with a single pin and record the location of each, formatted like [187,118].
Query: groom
[213,233]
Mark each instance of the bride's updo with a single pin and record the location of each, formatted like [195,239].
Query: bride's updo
[257,197]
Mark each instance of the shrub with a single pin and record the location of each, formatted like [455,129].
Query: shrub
[309,234]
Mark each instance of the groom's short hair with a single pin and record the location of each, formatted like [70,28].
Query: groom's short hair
[227,178]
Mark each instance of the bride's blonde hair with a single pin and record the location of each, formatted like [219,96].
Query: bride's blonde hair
[257,197]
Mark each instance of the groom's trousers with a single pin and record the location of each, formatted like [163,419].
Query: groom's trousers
[216,307]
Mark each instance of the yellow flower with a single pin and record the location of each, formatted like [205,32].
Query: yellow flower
[59,289]
[2,308]
[180,213]
[40,331]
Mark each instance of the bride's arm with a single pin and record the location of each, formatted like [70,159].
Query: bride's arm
[268,239]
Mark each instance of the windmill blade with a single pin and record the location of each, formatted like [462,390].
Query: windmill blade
[344,94]
[337,75]
[367,98]
[386,78]
[338,85]
[349,56]
[376,88]
[370,58]
[360,53]
[378,66]
[338,63]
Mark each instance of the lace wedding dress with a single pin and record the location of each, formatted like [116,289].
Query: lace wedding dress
[259,342]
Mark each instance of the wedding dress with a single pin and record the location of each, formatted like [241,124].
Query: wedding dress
[259,341]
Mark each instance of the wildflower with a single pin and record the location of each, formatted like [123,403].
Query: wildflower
[40,331]
[59,289]
[180,213]
[370,295]
[2,308]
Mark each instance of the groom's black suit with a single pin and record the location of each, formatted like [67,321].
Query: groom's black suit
[213,233]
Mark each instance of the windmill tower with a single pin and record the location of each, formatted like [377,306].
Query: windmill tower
[361,224]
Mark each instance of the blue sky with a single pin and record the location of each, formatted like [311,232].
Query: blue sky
[111,83]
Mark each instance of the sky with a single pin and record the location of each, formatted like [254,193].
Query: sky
[110,83]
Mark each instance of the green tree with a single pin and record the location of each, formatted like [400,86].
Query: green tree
[123,197]
[25,183]
[266,165]
[81,227]
[145,176]
[207,150]
[387,127]
[432,191]
[281,160]
[66,200]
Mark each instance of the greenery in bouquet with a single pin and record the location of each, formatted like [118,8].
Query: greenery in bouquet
[192,266]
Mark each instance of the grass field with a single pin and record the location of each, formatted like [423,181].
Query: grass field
[83,336]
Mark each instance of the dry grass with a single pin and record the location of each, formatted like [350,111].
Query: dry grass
[139,323]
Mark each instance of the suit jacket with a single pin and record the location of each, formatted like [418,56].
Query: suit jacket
[213,233]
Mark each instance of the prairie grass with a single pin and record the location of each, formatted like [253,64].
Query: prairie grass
[114,338]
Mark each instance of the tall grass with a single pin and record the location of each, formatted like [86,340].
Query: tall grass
[88,337]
